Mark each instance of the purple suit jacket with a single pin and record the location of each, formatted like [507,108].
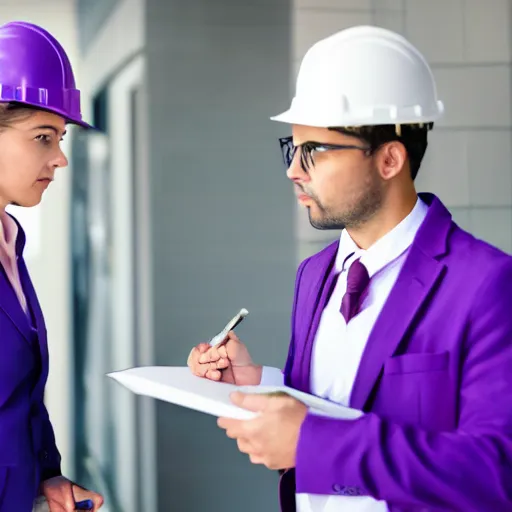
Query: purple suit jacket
[435,381]
[28,453]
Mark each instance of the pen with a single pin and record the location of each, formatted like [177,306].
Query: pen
[84,505]
[220,339]
[41,505]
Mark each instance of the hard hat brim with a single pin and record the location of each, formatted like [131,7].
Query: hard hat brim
[291,117]
[283,117]
[69,119]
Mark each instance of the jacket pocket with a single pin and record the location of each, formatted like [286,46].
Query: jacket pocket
[417,389]
[417,363]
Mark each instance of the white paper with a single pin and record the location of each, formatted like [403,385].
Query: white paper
[177,385]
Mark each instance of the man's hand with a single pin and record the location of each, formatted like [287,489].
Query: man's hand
[62,495]
[229,363]
[271,438]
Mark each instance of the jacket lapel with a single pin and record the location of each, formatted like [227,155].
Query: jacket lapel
[421,272]
[9,301]
[35,308]
[11,306]
[318,282]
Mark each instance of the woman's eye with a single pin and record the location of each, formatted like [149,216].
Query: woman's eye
[45,139]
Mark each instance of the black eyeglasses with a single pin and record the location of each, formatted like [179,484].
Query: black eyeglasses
[307,150]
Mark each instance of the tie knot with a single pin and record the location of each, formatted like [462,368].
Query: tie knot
[357,278]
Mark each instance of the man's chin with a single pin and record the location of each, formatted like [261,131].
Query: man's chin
[324,224]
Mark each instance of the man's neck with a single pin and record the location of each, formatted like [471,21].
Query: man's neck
[394,211]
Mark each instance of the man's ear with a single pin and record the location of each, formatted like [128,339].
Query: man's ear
[391,159]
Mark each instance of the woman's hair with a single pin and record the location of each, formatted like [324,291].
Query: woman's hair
[12,112]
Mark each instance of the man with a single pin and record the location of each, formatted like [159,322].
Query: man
[406,318]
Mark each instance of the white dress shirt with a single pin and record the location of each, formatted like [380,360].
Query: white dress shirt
[338,347]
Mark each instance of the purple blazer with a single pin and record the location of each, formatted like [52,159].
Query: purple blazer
[28,453]
[435,381]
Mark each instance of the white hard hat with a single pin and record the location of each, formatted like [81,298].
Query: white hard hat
[363,76]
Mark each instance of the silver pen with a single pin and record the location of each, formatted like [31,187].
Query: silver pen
[221,338]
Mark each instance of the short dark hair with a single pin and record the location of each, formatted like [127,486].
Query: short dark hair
[412,136]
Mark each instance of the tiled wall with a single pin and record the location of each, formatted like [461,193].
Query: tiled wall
[214,74]
[467,42]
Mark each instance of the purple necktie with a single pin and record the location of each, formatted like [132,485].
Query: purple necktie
[357,282]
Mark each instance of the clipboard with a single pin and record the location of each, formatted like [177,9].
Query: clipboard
[177,385]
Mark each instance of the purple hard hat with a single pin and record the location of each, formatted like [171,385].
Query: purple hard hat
[35,71]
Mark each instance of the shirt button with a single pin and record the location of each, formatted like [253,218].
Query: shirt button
[337,488]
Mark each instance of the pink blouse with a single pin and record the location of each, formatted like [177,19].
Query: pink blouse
[8,259]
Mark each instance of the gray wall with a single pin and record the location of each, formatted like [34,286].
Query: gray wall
[223,221]
[91,15]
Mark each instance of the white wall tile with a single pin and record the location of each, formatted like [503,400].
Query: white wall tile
[436,27]
[392,20]
[487,30]
[494,226]
[475,96]
[444,169]
[395,5]
[490,168]
[313,25]
[333,4]
[462,217]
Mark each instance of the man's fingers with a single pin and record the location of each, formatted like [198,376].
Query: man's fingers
[210,370]
[199,370]
[196,352]
[244,446]
[251,402]
[223,352]
[217,365]
[193,357]
[213,375]
[210,356]
[221,364]
[233,337]
[232,427]
[255,459]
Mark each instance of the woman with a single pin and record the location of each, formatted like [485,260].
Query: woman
[37,99]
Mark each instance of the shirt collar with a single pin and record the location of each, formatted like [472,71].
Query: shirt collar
[8,233]
[387,248]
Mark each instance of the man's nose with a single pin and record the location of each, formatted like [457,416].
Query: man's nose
[295,172]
